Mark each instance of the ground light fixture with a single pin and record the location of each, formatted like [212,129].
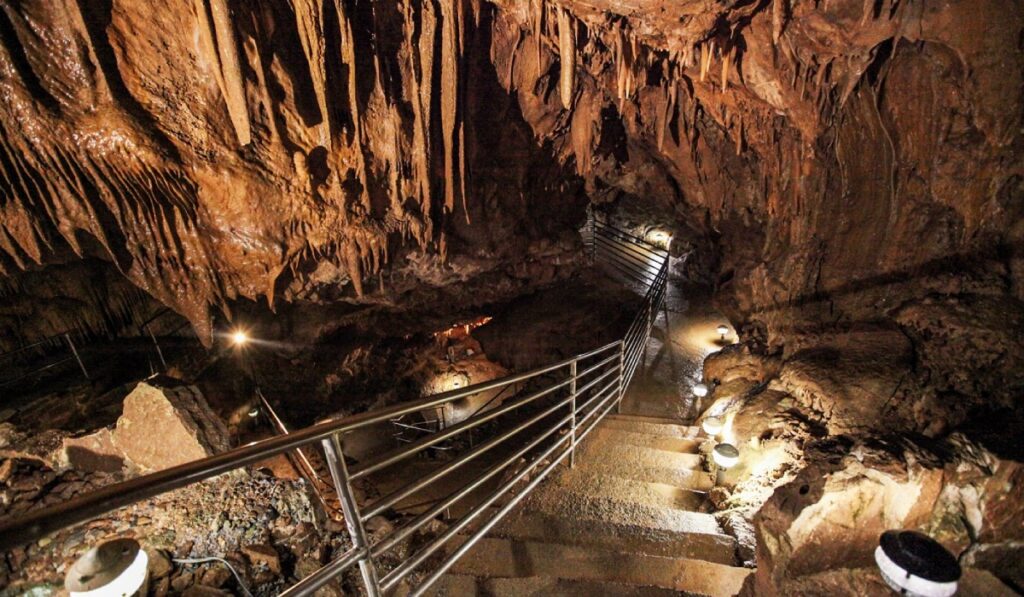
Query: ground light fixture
[712,426]
[700,390]
[725,456]
[239,338]
[723,330]
[913,563]
[115,568]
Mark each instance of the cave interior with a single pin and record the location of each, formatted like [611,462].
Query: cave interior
[789,232]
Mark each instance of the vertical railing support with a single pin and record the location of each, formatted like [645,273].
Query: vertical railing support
[622,375]
[156,344]
[74,351]
[572,429]
[343,485]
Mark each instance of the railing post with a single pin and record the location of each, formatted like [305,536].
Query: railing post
[343,485]
[622,375]
[159,352]
[572,430]
[74,351]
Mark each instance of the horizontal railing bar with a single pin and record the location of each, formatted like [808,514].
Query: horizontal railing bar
[640,258]
[630,248]
[638,270]
[398,495]
[418,522]
[46,340]
[411,563]
[26,529]
[595,367]
[496,518]
[641,263]
[387,460]
[37,370]
[630,274]
[596,380]
[643,243]
[313,582]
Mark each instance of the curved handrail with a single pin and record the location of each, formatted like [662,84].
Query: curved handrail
[588,401]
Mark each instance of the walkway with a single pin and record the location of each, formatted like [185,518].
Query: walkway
[631,518]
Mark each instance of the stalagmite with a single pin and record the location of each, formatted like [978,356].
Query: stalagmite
[567,52]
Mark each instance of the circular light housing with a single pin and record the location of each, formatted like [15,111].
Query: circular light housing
[725,455]
[700,390]
[712,425]
[112,569]
[913,563]
[723,329]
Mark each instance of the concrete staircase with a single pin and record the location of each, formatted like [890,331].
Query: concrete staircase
[626,520]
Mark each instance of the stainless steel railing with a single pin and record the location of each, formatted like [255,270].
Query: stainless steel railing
[550,411]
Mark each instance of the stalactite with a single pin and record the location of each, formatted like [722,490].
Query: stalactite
[449,94]
[231,79]
[567,52]
[726,61]
[537,18]
[779,19]
[309,18]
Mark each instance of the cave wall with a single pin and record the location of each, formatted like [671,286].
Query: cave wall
[224,150]
[842,169]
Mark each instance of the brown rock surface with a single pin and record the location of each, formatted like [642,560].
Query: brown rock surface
[162,427]
[93,452]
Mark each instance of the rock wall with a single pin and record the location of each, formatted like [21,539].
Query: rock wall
[221,149]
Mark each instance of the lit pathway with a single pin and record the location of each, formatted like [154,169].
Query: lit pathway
[663,385]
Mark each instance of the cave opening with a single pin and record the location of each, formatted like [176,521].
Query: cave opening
[503,297]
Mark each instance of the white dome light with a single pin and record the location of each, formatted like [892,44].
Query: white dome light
[700,390]
[712,426]
[914,564]
[723,330]
[116,568]
[725,455]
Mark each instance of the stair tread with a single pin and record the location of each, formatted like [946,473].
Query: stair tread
[649,440]
[651,427]
[697,543]
[496,558]
[598,484]
[531,586]
[610,455]
[645,419]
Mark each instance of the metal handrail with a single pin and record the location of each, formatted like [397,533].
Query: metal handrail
[587,386]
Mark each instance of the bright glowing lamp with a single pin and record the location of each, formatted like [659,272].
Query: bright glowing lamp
[115,568]
[712,426]
[723,330]
[700,390]
[253,412]
[239,338]
[913,563]
[725,455]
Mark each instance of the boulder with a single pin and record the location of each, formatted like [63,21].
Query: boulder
[849,378]
[165,425]
[93,452]
[831,515]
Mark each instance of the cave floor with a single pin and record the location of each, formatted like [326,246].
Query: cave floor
[674,357]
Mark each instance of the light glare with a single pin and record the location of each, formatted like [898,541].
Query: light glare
[700,390]
[239,338]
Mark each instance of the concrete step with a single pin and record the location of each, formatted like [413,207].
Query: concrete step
[686,478]
[647,440]
[644,419]
[493,558]
[651,426]
[692,535]
[461,585]
[612,456]
[597,484]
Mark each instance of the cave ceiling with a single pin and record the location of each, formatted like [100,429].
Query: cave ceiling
[211,150]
